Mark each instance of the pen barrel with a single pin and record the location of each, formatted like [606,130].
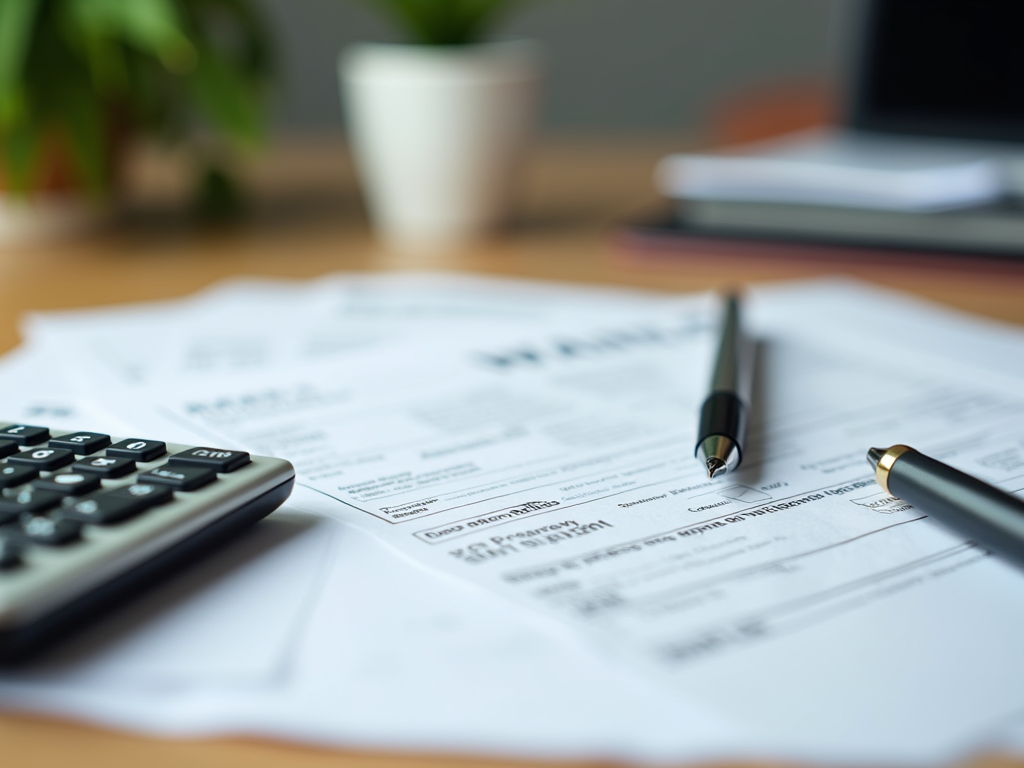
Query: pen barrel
[991,517]
[734,365]
[723,413]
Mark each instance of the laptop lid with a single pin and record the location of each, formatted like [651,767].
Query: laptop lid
[947,68]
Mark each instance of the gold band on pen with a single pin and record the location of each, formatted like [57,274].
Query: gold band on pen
[886,462]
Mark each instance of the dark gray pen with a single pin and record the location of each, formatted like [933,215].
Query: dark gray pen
[973,508]
[723,417]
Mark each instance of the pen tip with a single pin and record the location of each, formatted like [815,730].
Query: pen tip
[875,455]
[715,467]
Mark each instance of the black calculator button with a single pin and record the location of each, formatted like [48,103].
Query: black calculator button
[178,477]
[12,475]
[52,530]
[214,458]
[153,494]
[82,443]
[43,459]
[7,447]
[10,552]
[103,509]
[31,500]
[23,434]
[120,504]
[138,450]
[105,466]
[69,483]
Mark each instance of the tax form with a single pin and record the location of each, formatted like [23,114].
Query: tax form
[554,466]
[253,324]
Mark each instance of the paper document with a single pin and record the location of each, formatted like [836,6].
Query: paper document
[555,466]
[396,658]
[538,446]
[843,168]
[251,325]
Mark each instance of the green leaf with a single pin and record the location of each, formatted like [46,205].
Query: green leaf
[77,74]
[20,147]
[82,123]
[445,22]
[218,198]
[226,97]
[153,26]
[253,49]
[66,107]
[17,18]
[228,82]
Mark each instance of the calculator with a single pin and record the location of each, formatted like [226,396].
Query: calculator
[88,520]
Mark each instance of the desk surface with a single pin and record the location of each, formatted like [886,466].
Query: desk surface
[307,221]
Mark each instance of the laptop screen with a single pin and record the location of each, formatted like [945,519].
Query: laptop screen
[942,68]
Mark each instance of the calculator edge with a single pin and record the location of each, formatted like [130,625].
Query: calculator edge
[20,643]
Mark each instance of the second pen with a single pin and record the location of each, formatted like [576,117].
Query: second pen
[723,417]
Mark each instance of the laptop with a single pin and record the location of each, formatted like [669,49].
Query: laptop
[951,69]
[932,122]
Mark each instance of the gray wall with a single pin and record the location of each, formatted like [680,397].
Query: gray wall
[613,65]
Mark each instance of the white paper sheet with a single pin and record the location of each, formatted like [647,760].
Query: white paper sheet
[861,684]
[398,658]
[843,168]
[550,466]
[252,325]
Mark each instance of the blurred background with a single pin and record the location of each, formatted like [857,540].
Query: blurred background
[639,66]
[652,76]
[161,103]
[447,121]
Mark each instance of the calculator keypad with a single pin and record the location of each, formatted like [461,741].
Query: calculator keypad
[69,483]
[105,466]
[119,504]
[44,504]
[81,443]
[30,500]
[50,530]
[83,514]
[11,475]
[138,450]
[10,552]
[212,458]
[180,478]
[43,459]
[23,434]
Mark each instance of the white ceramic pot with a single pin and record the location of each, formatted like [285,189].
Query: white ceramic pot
[438,135]
[48,217]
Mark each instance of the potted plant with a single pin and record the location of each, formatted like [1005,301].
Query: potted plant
[79,78]
[438,124]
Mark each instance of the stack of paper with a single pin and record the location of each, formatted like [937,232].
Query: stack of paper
[841,168]
[502,543]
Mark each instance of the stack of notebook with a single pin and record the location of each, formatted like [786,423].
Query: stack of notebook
[853,188]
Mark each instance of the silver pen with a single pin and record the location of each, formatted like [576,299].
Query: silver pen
[971,507]
[723,417]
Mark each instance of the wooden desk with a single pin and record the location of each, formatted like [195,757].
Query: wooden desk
[308,222]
